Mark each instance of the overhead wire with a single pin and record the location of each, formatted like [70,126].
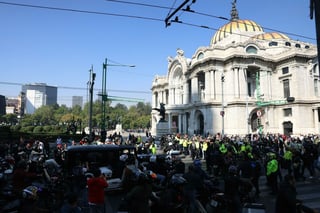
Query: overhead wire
[172,7]
[80,88]
[146,18]
[203,14]
[79,11]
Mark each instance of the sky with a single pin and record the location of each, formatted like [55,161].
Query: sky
[57,42]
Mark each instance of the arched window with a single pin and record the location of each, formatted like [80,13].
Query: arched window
[200,56]
[273,43]
[252,50]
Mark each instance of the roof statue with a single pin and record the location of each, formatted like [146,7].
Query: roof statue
[234,11]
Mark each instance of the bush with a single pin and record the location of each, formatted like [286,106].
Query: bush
[38,129]
[27,129]
[15,128]
[58,129]
[47,129]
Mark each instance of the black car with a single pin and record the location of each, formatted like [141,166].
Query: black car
[105,157]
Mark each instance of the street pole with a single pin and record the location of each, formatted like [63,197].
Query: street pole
[315,13]
[91,84]
[247,99]
[222,106]
[104,96]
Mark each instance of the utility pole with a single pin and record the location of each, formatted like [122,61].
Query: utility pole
[315,10]
[222,105]
[103,132]
[247,97]
[105,97]
[91,84]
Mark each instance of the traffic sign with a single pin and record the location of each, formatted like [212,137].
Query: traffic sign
[259,113]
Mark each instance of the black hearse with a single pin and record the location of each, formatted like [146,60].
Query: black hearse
[106,157]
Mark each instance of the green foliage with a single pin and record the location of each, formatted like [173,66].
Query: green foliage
[47,128]
[38,129]
[55,119]
[58,129]
[9,119]
[27,129]
[27,120]
[15,128]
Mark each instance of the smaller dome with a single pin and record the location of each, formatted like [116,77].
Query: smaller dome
[271,36]
[236,27]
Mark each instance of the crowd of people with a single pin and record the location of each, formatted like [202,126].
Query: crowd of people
[279,157]
[235,160]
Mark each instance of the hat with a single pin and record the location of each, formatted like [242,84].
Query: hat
[123,157]
[233,169]
[153,158]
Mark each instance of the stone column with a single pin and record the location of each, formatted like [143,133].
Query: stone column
[154,99]
[162,97]
[180,126]
[186,93]
[269,79]
[169,122]
[212,85]
[316,120]
[207,86]
[194,89]
[236,82]
[171,96]
[243,83]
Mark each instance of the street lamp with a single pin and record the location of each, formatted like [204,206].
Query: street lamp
[222,105]
[104,95]
[91,84]
[247,97]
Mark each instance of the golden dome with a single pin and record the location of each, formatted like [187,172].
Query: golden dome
[271,36]
[236,27]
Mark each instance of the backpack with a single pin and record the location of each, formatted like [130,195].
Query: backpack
[256,168]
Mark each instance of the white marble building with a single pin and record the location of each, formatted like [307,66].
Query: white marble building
[247,75]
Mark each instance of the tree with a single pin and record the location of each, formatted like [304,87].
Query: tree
[54,117]
[11,119]
[44,115]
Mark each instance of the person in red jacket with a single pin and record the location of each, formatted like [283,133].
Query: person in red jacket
[96,186]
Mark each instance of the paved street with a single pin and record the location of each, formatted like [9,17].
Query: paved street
[308,191]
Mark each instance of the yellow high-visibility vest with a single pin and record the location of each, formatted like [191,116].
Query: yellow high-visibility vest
[272,166]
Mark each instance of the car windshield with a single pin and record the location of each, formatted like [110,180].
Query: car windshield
[96,156]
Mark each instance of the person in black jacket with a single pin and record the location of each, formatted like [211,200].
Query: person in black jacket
[287,201]
[138,197]
[194,184]
[232,183]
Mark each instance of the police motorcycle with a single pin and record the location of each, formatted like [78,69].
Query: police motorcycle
[6,168]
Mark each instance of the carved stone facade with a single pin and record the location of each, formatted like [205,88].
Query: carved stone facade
[243,82]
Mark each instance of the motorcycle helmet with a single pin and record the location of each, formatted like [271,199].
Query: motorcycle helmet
[153,159]
[197,163]
[30,193]
[177,180]
[233,169]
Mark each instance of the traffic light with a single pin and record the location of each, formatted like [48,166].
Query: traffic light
[259,122]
